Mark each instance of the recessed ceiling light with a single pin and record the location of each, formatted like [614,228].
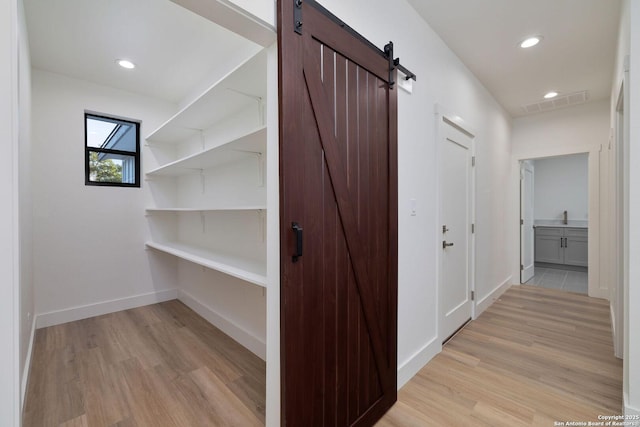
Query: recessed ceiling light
[124,63]
[551,94]
[530,42]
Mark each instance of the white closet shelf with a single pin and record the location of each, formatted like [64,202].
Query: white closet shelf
[243,86]
[210,209]
[233,18]
[254,142]
[248,271]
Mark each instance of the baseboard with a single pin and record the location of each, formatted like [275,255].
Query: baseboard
[486,302]
[628,409]
[27,364]
[614,333]
[561,266]
[417,361]
[612,318]
[599,293]
[245,338]
[90,310]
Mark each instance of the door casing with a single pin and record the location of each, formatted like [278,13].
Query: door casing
[525,275]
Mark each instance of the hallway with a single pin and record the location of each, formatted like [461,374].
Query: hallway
[534,357]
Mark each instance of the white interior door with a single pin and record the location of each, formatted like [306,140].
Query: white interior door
[455,213]
[527,268]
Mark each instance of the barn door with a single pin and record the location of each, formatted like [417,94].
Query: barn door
[338,183]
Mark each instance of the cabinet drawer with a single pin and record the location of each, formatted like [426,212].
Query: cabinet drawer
[549,231]
[576,232]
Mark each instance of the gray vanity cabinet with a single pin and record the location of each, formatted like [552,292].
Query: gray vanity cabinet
[575,247]
[562,245]
[549,246]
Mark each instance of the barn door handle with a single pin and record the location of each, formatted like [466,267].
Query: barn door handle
[298,230]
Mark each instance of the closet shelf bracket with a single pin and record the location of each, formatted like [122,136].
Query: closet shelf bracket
[202,139]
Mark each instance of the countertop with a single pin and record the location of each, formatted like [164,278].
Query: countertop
[572,223]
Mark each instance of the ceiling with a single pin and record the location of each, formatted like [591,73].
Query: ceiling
[576,54]
[174,49]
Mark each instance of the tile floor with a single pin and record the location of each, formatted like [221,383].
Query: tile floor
[565,280]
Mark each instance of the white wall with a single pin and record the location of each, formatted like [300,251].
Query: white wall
[579,129]
[620,97]
[16,289]
[561,183]
[9,222]
[27,309]
[89,254]
[631,23]
[444,80]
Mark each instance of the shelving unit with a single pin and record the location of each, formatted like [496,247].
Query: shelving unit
[216,209]
[220,129]
[211,177]
[252,143]
[239,89]
[242,269]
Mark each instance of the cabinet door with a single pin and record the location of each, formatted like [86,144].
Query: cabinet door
[549,245]
[576,248]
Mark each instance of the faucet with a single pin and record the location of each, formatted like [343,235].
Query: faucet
[564,218]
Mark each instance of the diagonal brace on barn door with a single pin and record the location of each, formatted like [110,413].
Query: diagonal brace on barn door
[354,241]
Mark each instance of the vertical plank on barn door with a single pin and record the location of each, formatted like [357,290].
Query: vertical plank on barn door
[339,183]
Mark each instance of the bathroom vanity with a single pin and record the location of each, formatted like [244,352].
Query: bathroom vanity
[563,244]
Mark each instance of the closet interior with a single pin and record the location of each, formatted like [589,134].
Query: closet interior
[211,174]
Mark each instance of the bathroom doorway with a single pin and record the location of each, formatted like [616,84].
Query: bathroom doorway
[554,222]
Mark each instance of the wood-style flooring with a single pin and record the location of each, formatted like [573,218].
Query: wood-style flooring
[159,365]
[534,357]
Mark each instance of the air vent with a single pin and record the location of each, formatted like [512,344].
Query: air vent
[560,101]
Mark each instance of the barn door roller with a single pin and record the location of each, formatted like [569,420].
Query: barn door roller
[297,16]
[394,63]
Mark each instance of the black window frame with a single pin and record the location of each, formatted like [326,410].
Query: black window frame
[88,150]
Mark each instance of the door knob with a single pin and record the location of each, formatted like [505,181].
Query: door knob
[445,244]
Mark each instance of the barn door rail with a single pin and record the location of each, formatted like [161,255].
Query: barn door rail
[387,53]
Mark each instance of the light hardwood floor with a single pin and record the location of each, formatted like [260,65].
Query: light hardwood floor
[534,357]
[159,365]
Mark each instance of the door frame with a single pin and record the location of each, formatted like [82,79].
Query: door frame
[523,164]
[446,118]
[594,211]
[621,215]
[10,300]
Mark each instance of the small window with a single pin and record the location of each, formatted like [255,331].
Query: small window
[112,151]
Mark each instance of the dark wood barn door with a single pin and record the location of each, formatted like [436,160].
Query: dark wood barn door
[338,132]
